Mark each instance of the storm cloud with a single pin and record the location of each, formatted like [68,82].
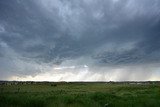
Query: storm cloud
[36,37]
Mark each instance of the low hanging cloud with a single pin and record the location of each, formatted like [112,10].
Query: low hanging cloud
[112,37]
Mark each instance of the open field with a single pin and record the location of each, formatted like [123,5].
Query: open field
[79,94]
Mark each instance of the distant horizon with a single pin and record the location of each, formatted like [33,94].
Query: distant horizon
[73,81]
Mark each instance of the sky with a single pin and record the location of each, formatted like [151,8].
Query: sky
[80,40]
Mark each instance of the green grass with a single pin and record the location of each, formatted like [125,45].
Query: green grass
[80,95]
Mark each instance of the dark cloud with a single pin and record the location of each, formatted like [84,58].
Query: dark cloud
[112,32]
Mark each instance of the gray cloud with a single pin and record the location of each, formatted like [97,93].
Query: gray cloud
[102,33]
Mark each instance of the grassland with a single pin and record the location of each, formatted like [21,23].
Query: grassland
[79,95]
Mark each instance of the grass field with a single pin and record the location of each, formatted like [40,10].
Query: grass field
[80,95]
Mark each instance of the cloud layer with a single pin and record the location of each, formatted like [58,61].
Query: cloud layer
[37,36]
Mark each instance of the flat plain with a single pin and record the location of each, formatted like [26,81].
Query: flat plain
[79,94]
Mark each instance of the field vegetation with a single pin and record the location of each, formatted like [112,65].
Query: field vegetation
[79,94]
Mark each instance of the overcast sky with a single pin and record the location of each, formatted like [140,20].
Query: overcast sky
[80,40]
